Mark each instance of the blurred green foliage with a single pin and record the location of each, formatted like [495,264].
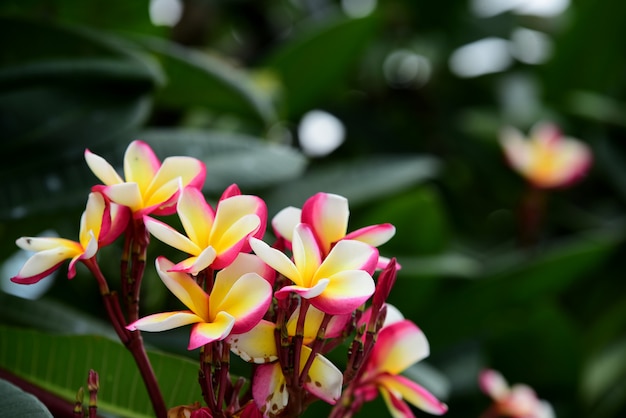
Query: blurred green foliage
[229,85]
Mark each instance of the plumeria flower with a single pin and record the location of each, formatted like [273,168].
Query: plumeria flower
[149,187]
[214,238]
[547,159]
[518,401]
[100,224]
[327,214]
[400,345]
[235,305]
[269,389]
[337,284]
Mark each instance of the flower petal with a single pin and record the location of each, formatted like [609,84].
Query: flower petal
[190,170]
[235,218]
[328,216]
[125,194]
[42,263]
[247,301]
[304,292]
[306,253]
[258,345]
[205,332]
[374,235]
[102,169]
[196,216]
[92,218]
[285,221]
[194,265]
[324,379]
[140,165]
[396,406]
[276,259]
[348,255]
[164,321]
[312,323]
[346,291]
[165,233]
[184,288]
[47,243]
[244,263]
[493,384]
[413,393]
[399,346]
[269,389]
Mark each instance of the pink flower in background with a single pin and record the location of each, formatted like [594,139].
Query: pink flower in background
[547,159]
[517,401]
[149,187]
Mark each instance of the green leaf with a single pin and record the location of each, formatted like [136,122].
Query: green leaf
[50,316]
[195,78]
[60,364]
[603,382]
[318,58]
[441,265]
[591,49]
[102,14]
[361,181]
[14,402]
[229,157]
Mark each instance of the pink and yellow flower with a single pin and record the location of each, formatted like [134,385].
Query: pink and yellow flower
[214,238]
[518,401]
[100,224]
[336,284]
[269,389]
[149,187]
[400,345]
[547,159]
[235,305]
[327,214]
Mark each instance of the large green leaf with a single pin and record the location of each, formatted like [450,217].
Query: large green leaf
[62,90]
[195,78]
[604,381]
[14,402]
[60,363]
[360,181]
[318,58]
[229,157]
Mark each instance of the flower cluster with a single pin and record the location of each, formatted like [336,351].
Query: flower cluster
[281,307]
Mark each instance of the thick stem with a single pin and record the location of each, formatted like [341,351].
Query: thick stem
[131,339]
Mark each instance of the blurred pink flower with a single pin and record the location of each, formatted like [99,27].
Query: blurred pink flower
[517,401]
[547,159]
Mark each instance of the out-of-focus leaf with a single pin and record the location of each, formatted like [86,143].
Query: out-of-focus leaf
[604,381]
[317,59]
[229,157]
[608,158]
[14,402]
[360,181]
[442,265]
[554,268]
[597,107]
[50,316]
[518,281]
[60,364]
[195,78]
[101,14]
[590,48]
[62,90]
